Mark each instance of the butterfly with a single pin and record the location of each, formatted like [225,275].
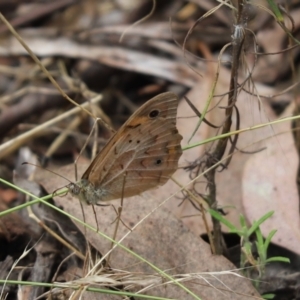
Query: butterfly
[141,155]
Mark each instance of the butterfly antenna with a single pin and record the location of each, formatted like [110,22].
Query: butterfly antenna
[28,163]
[84,146]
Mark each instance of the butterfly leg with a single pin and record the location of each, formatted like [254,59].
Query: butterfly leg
[118,218]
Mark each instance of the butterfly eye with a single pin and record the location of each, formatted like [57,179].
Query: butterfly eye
[74,189]
[153,113]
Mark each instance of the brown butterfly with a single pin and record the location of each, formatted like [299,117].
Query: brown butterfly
[141,155]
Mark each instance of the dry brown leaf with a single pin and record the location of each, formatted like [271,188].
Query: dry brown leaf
[229,181]
[161,239]
[269,184]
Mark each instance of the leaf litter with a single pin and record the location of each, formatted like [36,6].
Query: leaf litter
[147,62]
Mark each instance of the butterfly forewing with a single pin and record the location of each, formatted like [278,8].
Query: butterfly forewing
[142,154]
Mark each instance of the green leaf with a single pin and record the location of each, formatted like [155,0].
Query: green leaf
[278,258]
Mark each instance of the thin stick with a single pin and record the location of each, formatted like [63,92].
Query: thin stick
[200,202]
[63,135]
[39,63]
[56,236]
[17,142]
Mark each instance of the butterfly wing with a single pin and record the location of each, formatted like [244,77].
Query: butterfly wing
[142,154]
